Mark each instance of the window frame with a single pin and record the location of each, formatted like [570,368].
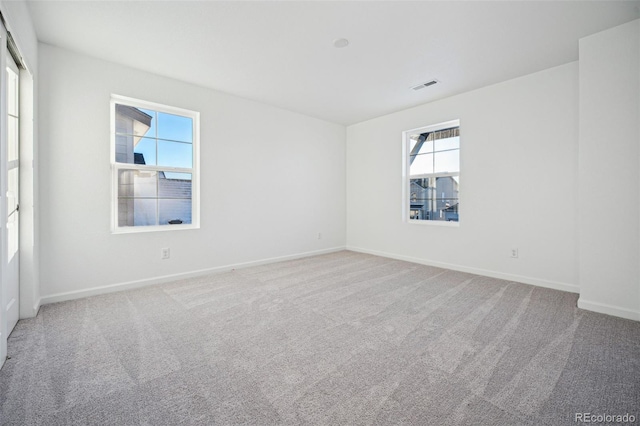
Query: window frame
[116,166]
[406,176]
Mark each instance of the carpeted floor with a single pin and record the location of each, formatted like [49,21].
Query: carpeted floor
[343,338]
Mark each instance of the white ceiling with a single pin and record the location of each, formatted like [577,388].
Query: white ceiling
[281,53]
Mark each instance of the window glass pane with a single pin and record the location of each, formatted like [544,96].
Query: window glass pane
[448,143]
[175,154]
[12,138]
[446,191]
[134,150]
[434,198]
[419,191]
[175,127]
[447,161]
[174,185]
[174,190]
[136,183]
[12,95]
[152,124]
[447,188]
[124,149]
[427,146]
[422,164]
[137,212]
[174,211]
[12,189]
[135,121]
[419,199]
[142,194]
[145,152]
[145,212]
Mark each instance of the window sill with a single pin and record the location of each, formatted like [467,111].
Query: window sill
[448,224]
[162,228]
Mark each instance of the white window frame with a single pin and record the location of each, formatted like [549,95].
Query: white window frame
[115,166]
[406,177]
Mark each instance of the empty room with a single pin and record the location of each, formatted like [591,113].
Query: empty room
[319,212]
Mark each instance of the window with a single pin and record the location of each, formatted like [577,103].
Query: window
[432,173]
[154,158]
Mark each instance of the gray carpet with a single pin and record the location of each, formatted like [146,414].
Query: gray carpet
[343,338]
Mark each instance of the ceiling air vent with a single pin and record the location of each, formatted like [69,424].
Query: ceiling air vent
[423,85]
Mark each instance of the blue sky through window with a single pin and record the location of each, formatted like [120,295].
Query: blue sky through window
[167,142]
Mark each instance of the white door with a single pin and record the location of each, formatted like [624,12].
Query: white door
[12,293]
[9,155]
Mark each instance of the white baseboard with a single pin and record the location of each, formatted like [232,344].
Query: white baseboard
[603,308]
[94,291]
[571,288]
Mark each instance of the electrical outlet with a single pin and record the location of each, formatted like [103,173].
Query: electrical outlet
[165,253]
[514,253]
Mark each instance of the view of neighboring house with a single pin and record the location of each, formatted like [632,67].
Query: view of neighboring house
[434,198]
[434,172]
[146,197]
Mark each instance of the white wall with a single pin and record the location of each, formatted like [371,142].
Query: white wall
[273,179]
[609,245]
[270,180]
[519,150]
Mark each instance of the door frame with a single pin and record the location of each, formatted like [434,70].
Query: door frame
[12,270]
[3,191]
[29,271]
